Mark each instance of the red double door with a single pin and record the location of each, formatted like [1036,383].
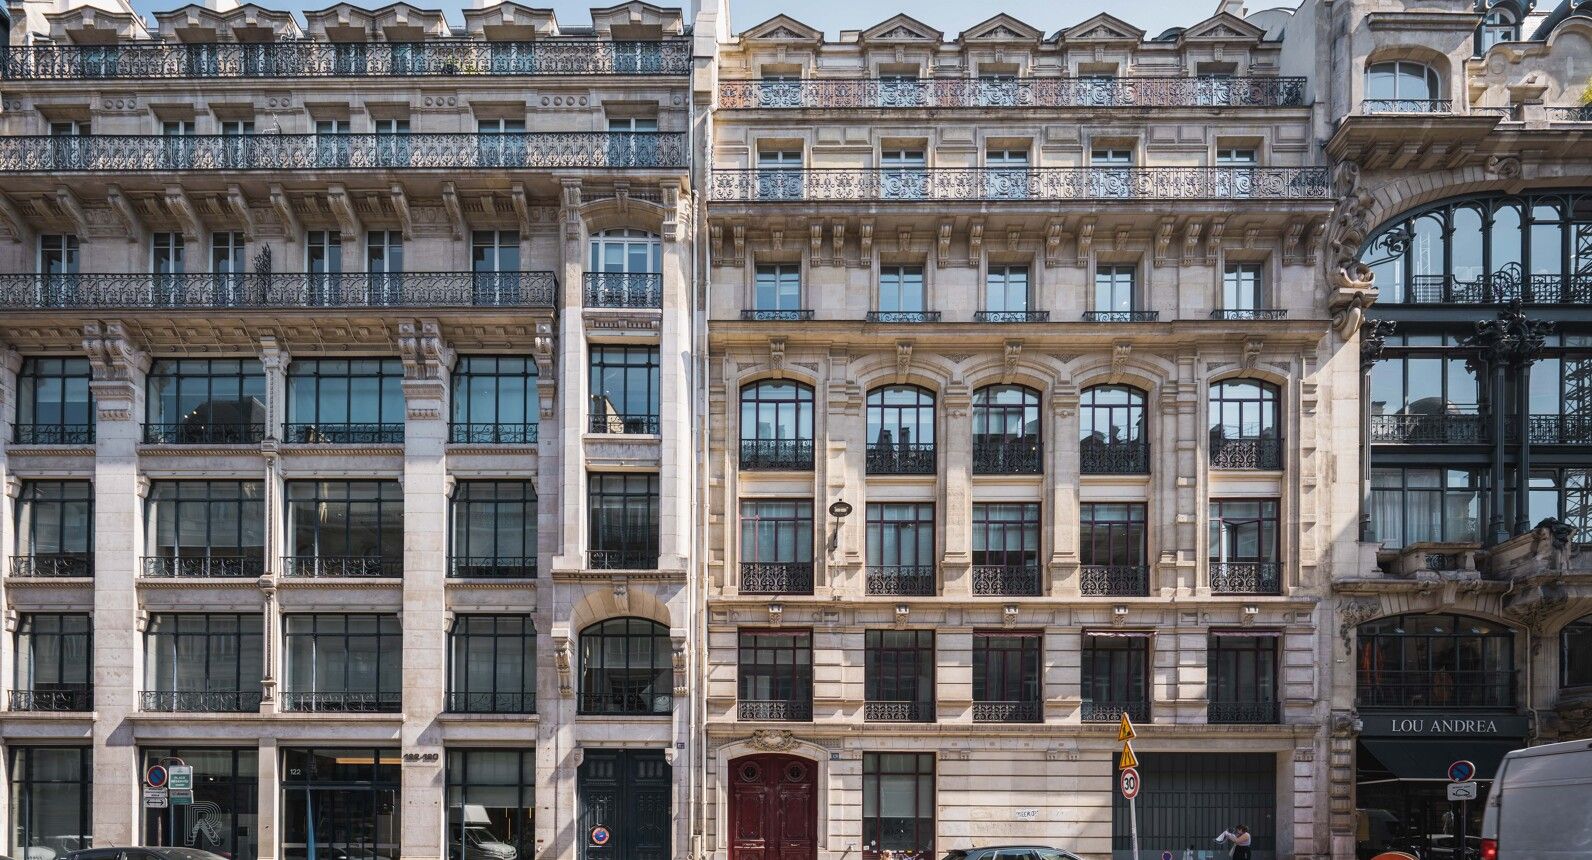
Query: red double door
[773,808]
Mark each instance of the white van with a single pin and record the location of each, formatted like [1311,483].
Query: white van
[1540,805]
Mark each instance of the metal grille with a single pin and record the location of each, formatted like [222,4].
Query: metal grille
[762,577]
[777,455]
[1011,316]
[160,567]
[1429,429]
[1006,580]
[1110,712]
[493,567]
[780,710]
[623,289]
[68,698]
[619,559]
[492,703]
[1249,314]
[1121,316]
[901,458]
[1013,92]
[1265,454]
[54,434]
[315,567]
[903,316]
[1129,457]
[616,423]
[1103,580]
[200,701]
[343,434]
[902,580]
[997,455]
[1006,712]
[187,433]
[1242,712]
[55,565]
[776,316]
[1406,106]
[384,703]
[1246,577]
[1017,183]
[898,712]
[1561,429]
[493,434]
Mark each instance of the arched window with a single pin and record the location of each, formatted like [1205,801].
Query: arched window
[1500,25]
[626,667]
[1006,437]
[1246,432]
[1403,87]
[900,430]
[625,270]
[1575,654]
[777,426]
[1112,437]
[1439,662]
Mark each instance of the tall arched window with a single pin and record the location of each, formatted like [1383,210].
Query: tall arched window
[1500,25]
[1403,87]
[626,667]
[1440,662]
[1006,436]
[1246,432]
[1575,654]
[777,426]
[625,270]
[1112,434]
[901,430]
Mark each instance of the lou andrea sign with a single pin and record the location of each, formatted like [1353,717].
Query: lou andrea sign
[1443,725]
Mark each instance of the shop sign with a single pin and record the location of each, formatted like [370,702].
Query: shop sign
[1442,725]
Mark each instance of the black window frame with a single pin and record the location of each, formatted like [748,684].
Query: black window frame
[1008,676]
[638,369]
[20,761]
[876,766]
[787,566]
[1115,675]
[1445,492]
[891,668]
[490,499]
[216,553]
[387,429]
[1113,436]
[1230,696]
[499,374]
[901,454]
[307,506]
[624,702]
[177,644]
[458,784]
[790,404]
[358,784]
[774,674]
[1579,675]
[1258,449]
[64,691]
[73,375]
[609,542]
[235,791]
[1013,447]
[1421,680]
[73,549]
[1123,569]
[334,695]
[998,568]
[198,426]
[1232,573]
[894,575]
[507,634]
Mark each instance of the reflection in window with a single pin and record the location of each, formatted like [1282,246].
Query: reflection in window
[203,662]
[898,805]
[55,529]
[54,406]
[495,399]
[341,662]
[626,667]
[51,789]
[340,803]
[777,425]
[1435,661]
[1415,505]
[492,665]
[345,528]
[1402,86]
[491,804]
[624,389]
[1575,654]
[345,400]
[206,400]
[494,529]
[221,522]
[223,818]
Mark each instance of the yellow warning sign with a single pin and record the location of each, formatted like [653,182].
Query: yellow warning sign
[1125,731]
[1128,760]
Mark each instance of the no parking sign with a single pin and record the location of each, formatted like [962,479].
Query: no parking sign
[600,835]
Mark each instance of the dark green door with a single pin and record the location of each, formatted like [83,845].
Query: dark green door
[1185,799]
[625,793]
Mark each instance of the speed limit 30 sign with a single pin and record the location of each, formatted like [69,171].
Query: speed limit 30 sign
[1129,782]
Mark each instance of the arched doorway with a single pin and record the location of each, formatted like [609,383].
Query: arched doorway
[773,808]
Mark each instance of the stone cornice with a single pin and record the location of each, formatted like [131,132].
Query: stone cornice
[49,450]
[605,576]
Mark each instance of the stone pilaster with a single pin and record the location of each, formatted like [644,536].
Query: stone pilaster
[956,507]
[676,391]
[841,461]
[567,522]
[1061,487]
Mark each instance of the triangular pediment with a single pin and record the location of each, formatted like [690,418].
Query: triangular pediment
[1102,28]
[247,17]
[1222,27]
[902,28]
[1001,28]
[91,25]
[510,20]
[781,28]
[637,20]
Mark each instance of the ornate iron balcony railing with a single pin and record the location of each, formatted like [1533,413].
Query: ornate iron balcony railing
[1407,106]
[1426,689]
[1581,113]
[1246,577]
[775,710]
[1507,285]
[751,315]
[1247,314]
[215,566]
[616,423]
[905,580]
[1560,429]
[1127,457]
[1021,183]
[623,289]
[1438,429]
[493,434]
[328,566]
[1114,580]
[1011,316]
[492,703]
[1007,712]
[492,567]
[70,697]
[279,290]
[187,433]
[1254,713]
[200,701]
[343,434]
[1110,712]
[900,458]
[51,565]
[131,153]
[1007,580]
[54,434]
[1121,316]
[898,712]
[777,455]
[377,703]
[543,57]
[902,317]
[776,577]
[1008,455]
[828,93]
[624,559]
[1263,454]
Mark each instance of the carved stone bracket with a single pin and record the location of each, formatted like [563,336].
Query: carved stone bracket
[563,653]
[118,368]
[427,361]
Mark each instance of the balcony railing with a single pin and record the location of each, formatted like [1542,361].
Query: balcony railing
[1255,713]
[903,580]
[1007,580]
[492,703]
[1407,106]
[621,424]
[775,710]
[363,703]
[624,559]
[1127,457]
[1008,455]
[1121,316]
[201,701]
[1246,577]
[79,697]
[1438,429]
[898,712]
[1020,183]
[450,58]
[1110,712]
[907,317]
[279,290]
[132,153]
[1435,689]
[1560,429]
[333,566]
[1499,288]
[492,567]
[1580,113]
[1114,580]
[1007,712]
[493,434]
[900,458]
[187,433]
[623,289]
[53,434]
[215,566]
[1011,316]
[749,315]
[776,577]
[51,565]
[343,434]
[777,455]
[1237,314]
[1263,454]
[828,93]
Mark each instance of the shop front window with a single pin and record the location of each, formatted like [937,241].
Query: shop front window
[1435,662]
[897,806]
[340,804]
[51,788]
[491,804]
[223,818]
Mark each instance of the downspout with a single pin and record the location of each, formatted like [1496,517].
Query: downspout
[697,665]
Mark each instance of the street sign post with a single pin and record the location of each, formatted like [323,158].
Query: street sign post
[154,798]
[181,776]
[181,797]
[1128,763]
[1461,771]
[1462,788]
[1130,783]
[156,776]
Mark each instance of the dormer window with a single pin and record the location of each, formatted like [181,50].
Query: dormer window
[1500,25]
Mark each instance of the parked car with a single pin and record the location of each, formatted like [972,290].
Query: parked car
[1010,852]
[1537,807]
[145,853]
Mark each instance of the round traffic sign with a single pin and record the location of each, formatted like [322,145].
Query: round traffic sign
[156,776]
[600,835]
[1461,771]
[1130,782]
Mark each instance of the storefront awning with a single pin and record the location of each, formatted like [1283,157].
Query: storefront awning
[1428,759]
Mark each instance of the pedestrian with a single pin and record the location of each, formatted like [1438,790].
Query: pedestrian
[1238,839]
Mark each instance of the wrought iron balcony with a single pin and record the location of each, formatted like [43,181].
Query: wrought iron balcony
[51,565]
[333,566]
[624,559]
[1263,454]
[66,698]
[344,702]
[93,291]
[1007,580]
[1438,429]
[904,580]
[133,153]
[493,434]
[1110,712]
[1008,455]
[1126,457]
[1246,577]
[909,317]
[1007,712]
[492,567]
[201,701]
[623,289]
[1020,183]
[620,424]
[900,458]
[1582,113]
[1248,314]
[1407,106]
[215,566]
[1437,691]
[750,315]
[328,433]
[441,58]
[1560,429]
[54,434]
[1251,713]
[775,710]
[1114,580]
[898,712]
[1121,316]
[828,93]
[492,703]
[1502,287]
[190,433]
[776,577]
[777,455]
[1011,316]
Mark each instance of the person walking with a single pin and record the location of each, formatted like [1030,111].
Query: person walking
[1238,840]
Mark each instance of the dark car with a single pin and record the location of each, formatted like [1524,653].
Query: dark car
[1010,852]
[149,853]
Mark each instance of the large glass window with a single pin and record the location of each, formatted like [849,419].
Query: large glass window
[356,400]
[203,662]
[901,549]
[897,806]
[51,801]
[1112,550]
[624,389]
[777,546]
[777,425]
[1246,432]
[1241,684]
[495,264]
[54,406]
[900,431]
[338,662]
[205,528]
[1561,494]
[624,521]
[624,270]
[55,529]
[205,401]
[1006,548]
[54,663]
[901,290]
[340,804]
[491,804]
[775,671]
[1575,654]
[495,400]
[1114,292]
[345,528]
[1006,432]
[1006,677]
[903,176]
[778,288]
[1417,505]
[1116,676]
[1435,662]
[223,818]
[626,667]
[1113,439]
[898,675]
[494,529]
[1425,398]
[1006,291]
[1241,285]
[492,665]
[1243,546]
[1403,87]
[1560,394]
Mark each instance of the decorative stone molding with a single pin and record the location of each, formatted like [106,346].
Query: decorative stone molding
[677,642]
[903,614]
[427,361]
[1351,615]
[1009,615]
[773,740]
[562,658]
[776,613]
[118,368]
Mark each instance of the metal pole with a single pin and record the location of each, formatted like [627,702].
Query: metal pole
[1133,824]
[1463,849]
